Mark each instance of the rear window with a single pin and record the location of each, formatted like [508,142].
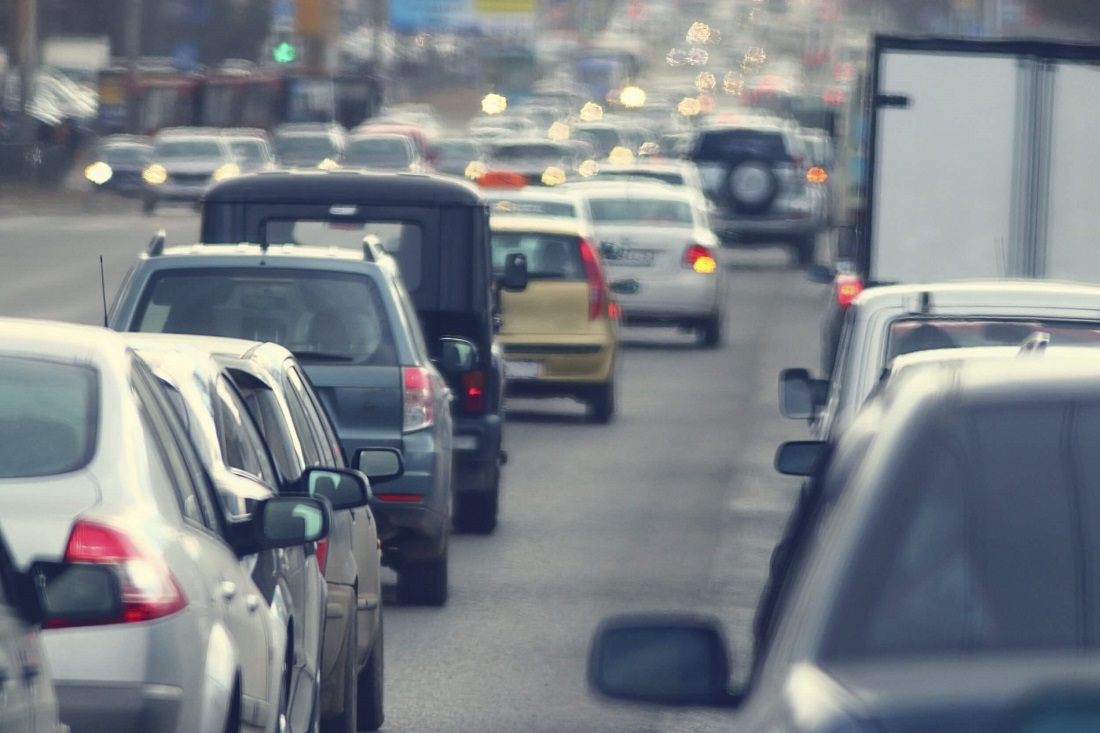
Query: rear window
[549,256]
[402,240]
[48,417]
[722,145]
[378,152]
[641,211]
[320,316]
[511,207]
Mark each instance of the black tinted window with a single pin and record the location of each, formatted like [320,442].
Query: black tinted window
[319,316]
[48,417]
[720,145]
[551,256]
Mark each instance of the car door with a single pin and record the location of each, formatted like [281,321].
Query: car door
[234,596]
[18,713]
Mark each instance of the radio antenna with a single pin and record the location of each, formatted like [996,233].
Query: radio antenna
[103,289]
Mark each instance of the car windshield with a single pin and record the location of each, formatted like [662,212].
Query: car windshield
[388,152]
[661,212]
[186,149]
[456,152]
[319,316]
[125,154]
[304,147]
[549,256]
[249,151]
[49,414]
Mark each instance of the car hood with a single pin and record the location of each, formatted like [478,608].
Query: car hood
[37,514]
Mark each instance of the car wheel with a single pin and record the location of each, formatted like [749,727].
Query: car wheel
[710,332]
[601,403]
[149,206]
[346,722]
[423,583]
[752,186]
[475,512]
[371,683]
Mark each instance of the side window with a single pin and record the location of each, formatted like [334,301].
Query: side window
[241,443]
[185,469]
[321,419]
[320,452]
[264,406]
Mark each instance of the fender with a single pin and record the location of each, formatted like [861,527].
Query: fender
[217,680]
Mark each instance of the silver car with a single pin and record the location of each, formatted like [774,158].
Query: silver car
[183,165]
[659,254]
[96,467]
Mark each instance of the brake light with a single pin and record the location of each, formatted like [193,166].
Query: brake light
[848,287]
[594,277]
[817,174]
[699,258]
[502,179]
[473,392]
[419,405]
[322,553]
[148,589]
[406,498]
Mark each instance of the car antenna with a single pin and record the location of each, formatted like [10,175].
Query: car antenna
[103,289]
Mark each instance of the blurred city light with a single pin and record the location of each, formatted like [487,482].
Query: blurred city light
[632,97]
[494,104]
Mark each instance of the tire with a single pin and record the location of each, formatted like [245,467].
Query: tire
[475,512]
[710,332]
[752,186]
[601,403]
[346,721]
[423,583]
[149,206]
[369,697]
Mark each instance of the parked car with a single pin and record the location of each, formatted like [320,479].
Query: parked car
[87,428]
[938,582]
[347,318]
[660,256]
[755,173]
[436,228]
[560,335]
[183,164]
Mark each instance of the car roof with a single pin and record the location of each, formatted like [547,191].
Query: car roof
[173,342]
[57,340]
[345,187]
[961,293]
[253,255]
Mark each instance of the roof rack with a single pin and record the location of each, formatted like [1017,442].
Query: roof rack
[156,244]
[372,248]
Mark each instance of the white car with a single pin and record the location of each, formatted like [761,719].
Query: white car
[660,255]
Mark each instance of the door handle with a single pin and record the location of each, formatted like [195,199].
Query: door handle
[228,590]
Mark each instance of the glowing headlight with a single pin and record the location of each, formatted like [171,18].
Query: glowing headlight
[620,155]
[591,112]
[328,164]
[229,170]
[475,170]
[553,176]
[98,173]
[155,174]
[589,168]
[632,97]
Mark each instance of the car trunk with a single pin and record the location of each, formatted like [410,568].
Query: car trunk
[645,251]
[364,402]
[546,307]
[40,513]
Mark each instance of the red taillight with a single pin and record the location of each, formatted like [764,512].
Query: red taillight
[594,277]
[419,404]
[699,258]
[322,553]
[473,392]
[407,498]
[848,287]
[148,589]
[817,174]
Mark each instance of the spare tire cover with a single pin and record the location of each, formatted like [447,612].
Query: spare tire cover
[752,185]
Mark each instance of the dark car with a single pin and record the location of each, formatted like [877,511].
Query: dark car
[943,571]
[437,228]
[119,162]
[348,320]
[755,173]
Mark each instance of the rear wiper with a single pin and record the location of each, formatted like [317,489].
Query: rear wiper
[322,356]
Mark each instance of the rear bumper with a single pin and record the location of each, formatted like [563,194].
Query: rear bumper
[685,296]
[564,363]
[91,707]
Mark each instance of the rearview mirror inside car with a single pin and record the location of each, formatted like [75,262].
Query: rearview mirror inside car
[380,464]
[71,594]
[345,489]
[669,660]
[800,457]
[800,395]
[286,521]
[456,355]
[515,272]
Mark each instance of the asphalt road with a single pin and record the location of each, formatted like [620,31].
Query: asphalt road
[674,506]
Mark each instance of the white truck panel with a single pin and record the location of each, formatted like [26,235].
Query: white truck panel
[958,130]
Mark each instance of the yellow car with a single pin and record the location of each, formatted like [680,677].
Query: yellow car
[560,334]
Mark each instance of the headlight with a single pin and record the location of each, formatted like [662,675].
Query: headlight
[98,173]
[229,170]
[553,176]
[328,164]
[620,155]
[155,175]
[589,168]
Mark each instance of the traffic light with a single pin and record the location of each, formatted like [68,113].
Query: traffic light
[284,52]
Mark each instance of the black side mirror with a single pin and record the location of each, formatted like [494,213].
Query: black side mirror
[69,594]
[457,356]
[344,488]
[380,464]
[286,521]
[515,273]
[800,457]
[668,660]
[801,396]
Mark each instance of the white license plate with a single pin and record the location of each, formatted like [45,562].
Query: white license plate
[465,442]
[522,369]
[636,257]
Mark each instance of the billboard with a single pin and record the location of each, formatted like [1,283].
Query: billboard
[462,16]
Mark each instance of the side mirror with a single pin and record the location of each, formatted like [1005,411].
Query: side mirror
[801,396]
[344,488]
[668,660]
[800,457]
[515,273]
[380,464]
[457,356]
[69,594]
[288,521]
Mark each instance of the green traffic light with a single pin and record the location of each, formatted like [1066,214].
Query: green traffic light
[284,53]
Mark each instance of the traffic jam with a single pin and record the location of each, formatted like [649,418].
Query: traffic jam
[549,379]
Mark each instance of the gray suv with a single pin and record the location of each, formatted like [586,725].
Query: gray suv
[755,175]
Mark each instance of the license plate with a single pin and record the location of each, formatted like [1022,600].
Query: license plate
[636,257]
[465,442]
[522,369]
